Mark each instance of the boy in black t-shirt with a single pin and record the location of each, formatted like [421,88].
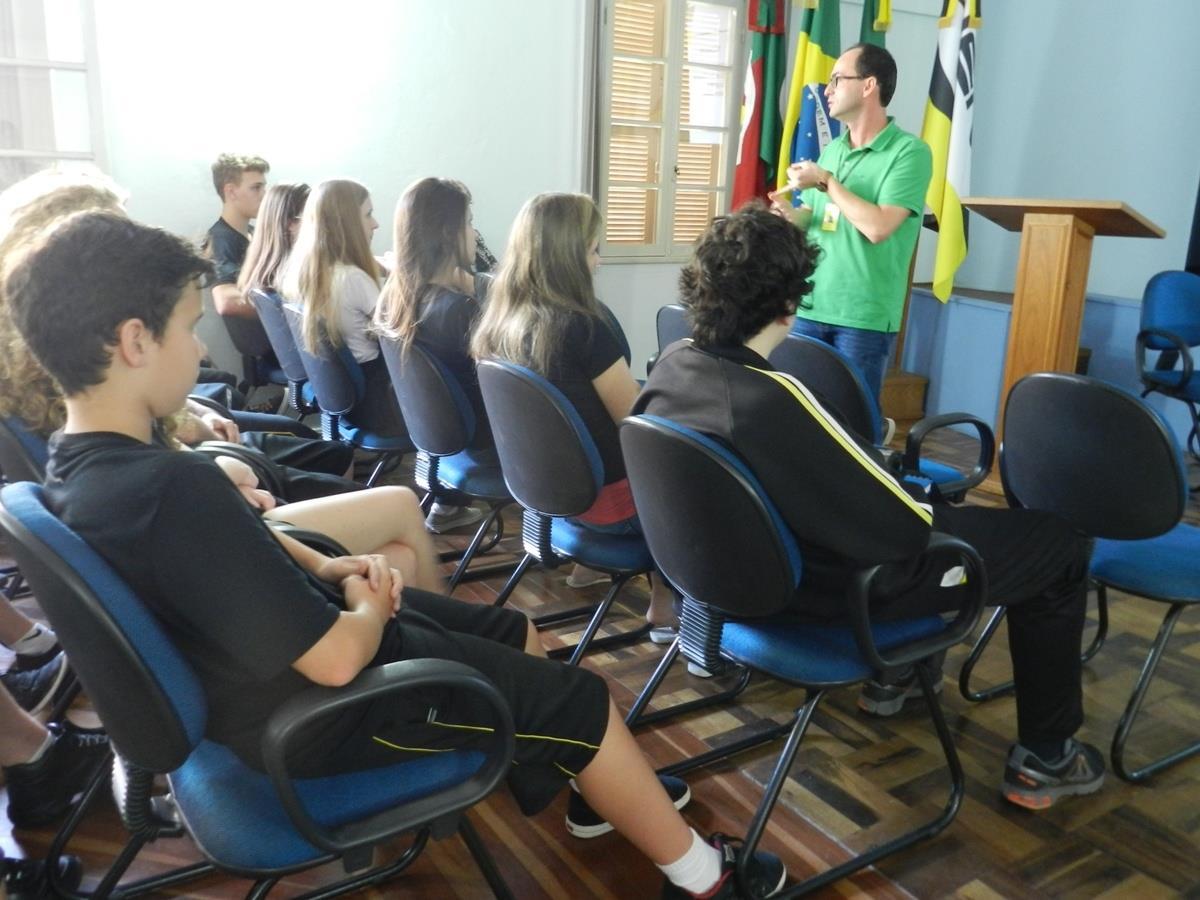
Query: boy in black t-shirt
[109,308]
[240,182]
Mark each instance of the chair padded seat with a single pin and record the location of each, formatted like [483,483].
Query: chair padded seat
[474,472]
[815,655]
[372,440]
[1169,380]
[235,816]
[607,552]
[1164,568]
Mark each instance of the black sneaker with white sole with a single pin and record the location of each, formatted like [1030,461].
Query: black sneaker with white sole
[1033,783]
[584,822]
[765,875]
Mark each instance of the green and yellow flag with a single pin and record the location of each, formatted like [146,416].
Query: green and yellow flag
[947,131]
[876,20]
[807,127]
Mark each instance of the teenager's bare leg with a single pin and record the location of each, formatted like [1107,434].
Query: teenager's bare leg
[21,735]
[13,625]
[385,520]
[533,641]
[620,786]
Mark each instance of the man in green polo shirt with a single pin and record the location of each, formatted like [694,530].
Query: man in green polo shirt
[862,205]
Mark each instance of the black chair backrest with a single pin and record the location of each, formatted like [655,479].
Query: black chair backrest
[438,414]
[672,325]
[834,379]
[145,693]
[249,336]
[1093,453]
[710,527]
[23,454]
[550,462]
[333,374]
[270,314]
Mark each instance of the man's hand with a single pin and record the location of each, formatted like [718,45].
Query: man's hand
[246,481]
[781,205]
[806,174]
[378,587]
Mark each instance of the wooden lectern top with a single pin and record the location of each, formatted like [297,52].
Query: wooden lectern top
[1107,217]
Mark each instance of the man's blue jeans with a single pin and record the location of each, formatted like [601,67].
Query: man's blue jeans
[869,350]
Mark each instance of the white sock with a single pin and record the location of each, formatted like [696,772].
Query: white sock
[41,751]
[36,640]
[698,869]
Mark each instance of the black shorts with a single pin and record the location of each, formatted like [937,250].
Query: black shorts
[560,712]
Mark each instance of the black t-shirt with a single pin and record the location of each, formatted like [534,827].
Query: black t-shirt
[178,532]
[588,349]
[226,247]
[444,326]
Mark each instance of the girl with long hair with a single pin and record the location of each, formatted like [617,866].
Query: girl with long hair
[430,295]
[542,313]
[275,232]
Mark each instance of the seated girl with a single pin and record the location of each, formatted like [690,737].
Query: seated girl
[542,313]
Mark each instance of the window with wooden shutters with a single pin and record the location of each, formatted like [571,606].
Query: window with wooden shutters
[48,92]
[668,112]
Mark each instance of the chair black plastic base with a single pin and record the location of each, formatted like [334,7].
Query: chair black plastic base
[989,631]
[637,716]
[1135,704]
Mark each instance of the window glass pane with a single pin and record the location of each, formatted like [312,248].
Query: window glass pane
[638,27]
[703,97]
[42,29]
[13,170]
[693,212]
[637,91]
[708,34]
[629,216]
[44,109]
[64,30]
[633,154]
[698,159]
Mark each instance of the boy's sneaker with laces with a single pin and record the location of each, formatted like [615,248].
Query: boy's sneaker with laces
[765,875]
[1033,783]
[447,518]
[584,822]
[881,699]
[27,879]
[40,792]
[35,689]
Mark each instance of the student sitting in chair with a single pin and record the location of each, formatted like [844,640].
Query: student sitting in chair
[109,307]
[742,287]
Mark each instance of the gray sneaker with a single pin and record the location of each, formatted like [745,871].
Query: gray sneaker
[1033,783]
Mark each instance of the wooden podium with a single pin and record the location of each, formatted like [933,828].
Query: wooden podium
[1052,274]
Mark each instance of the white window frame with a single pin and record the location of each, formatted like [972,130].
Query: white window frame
[665,249]
[97,154]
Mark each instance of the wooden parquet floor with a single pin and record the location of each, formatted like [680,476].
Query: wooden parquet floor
[857,780]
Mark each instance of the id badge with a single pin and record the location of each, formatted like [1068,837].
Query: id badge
[830,220]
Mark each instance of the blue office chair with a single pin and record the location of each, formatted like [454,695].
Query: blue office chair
[1170,325]
[250,339]
[441,424]
[721,542]
[263,826]
[670,325]
[338,384]
[300,396]
[836,381]
[1107,463]
[552,468]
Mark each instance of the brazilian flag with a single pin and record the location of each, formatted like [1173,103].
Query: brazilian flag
[876,20]
[947,131]
[807,127]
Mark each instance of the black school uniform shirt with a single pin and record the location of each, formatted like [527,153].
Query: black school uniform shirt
[226,247]
[180,534]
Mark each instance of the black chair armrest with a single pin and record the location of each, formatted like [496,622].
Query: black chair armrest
[983,463]
[1180,349]
[650,364]
[942,550]
[370,685]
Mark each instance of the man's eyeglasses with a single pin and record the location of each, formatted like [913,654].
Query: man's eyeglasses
[835,79]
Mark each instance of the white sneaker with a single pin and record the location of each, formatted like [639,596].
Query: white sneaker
[443,517]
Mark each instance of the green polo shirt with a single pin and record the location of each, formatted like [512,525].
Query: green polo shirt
[859,284]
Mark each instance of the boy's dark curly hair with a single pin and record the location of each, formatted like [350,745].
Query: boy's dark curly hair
[748,269]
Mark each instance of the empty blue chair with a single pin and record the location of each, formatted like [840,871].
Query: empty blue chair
[552,468]
[719,540]
[836,381]
[261,825]
[338,384]
[1170,326]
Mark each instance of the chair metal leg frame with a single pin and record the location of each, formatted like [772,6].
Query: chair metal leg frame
[989,630]
[108,886]
[477,547]
[589,640]
[384,458]
[483,859]
[637,715]
[1135,704]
